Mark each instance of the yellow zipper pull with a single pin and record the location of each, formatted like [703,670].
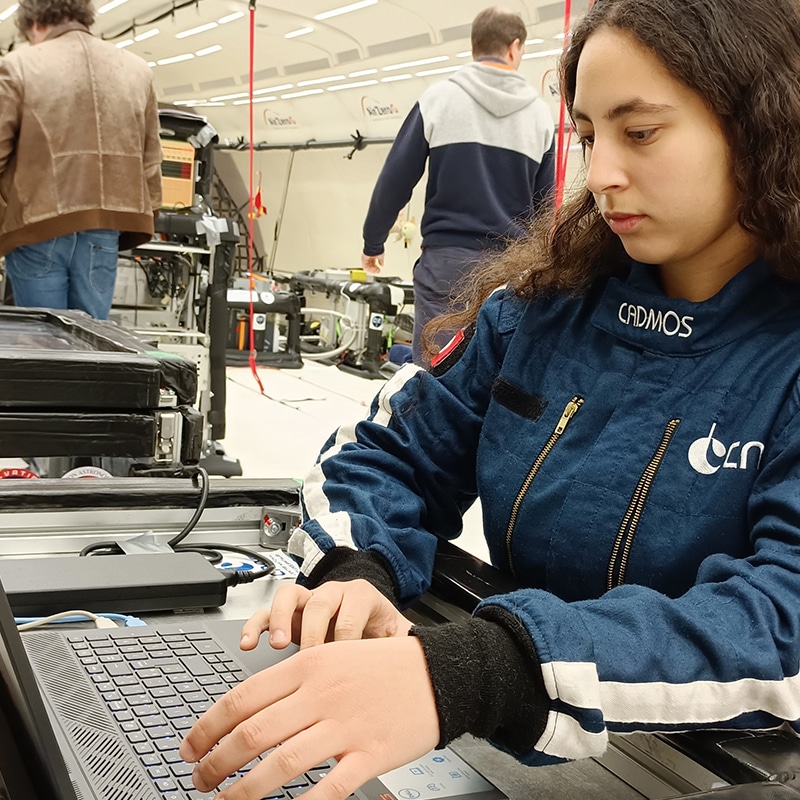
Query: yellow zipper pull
[569,413]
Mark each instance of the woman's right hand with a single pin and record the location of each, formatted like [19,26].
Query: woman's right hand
[334,611]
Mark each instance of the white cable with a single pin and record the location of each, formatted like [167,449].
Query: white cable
[331,311]
[100,622]
[346,345]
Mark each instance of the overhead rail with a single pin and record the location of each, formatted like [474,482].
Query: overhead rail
[355,143]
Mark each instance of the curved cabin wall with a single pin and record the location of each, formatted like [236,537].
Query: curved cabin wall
[323,70]
[329,193]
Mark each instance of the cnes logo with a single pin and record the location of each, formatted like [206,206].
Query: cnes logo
[708,455]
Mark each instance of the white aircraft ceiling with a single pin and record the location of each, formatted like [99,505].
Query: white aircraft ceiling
[332,75]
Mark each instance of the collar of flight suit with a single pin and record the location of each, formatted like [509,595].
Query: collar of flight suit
[637,311]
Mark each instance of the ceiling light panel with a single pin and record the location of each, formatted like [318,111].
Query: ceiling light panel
[229,96]
[298,32]
[8,12]
[175,59]
[257,100]
[147,35]
[269,89]
[419,63]
[314,81]
[305,93]
[335,12]
[440,71]
[109,6]
[351,85]
[199,29]
[543,53]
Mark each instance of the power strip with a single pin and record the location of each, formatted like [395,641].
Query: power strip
[122,584]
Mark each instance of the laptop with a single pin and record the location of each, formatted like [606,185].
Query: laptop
[98,714]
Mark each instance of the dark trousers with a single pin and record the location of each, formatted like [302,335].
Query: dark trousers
[436,274]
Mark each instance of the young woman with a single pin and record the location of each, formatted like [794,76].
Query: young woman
[627,407]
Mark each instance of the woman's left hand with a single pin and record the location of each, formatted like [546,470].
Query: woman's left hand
[368,703]
[333,611]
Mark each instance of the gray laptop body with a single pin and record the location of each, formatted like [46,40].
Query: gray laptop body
[98,714]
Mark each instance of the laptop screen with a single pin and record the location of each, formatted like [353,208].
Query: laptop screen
[31,764]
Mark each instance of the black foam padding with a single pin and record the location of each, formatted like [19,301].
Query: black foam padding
[29,433]
[65,359]
[113,493]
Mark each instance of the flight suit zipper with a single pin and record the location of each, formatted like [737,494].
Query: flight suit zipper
[618,563]
[569,412]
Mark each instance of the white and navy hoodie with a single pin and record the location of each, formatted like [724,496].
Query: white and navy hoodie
[637,458]
[488,140]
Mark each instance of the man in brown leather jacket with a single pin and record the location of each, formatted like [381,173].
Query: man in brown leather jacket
[80,158]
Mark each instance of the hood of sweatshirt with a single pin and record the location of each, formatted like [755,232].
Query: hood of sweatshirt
[500,91]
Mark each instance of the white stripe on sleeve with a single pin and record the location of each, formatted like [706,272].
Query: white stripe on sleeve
[656,703]
[317,505]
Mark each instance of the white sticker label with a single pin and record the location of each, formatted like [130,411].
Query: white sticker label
[87,472]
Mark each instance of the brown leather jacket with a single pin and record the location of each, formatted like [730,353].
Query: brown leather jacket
[79,141]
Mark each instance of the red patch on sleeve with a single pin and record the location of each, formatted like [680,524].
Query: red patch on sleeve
[447,349]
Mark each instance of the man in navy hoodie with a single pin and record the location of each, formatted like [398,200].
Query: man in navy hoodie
[487,138]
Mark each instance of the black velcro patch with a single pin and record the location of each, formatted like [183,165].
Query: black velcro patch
[529,406]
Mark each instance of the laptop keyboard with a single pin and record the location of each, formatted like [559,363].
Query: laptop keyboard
[156,686]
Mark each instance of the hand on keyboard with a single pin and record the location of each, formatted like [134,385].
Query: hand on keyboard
[369,703]
[335,611]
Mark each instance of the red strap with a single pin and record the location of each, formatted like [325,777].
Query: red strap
[562,148]
[251,214]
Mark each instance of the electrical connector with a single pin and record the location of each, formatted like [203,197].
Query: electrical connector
[235,577]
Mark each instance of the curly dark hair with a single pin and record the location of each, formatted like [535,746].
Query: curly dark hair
[743,58]
[53,12]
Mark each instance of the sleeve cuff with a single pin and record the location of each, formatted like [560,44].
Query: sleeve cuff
[487,681]
[373,249]
[344,564]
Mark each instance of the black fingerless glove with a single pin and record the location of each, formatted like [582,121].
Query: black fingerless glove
[486,679]
[344,564]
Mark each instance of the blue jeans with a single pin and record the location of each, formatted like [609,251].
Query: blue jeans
[73,271]
[436,275]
